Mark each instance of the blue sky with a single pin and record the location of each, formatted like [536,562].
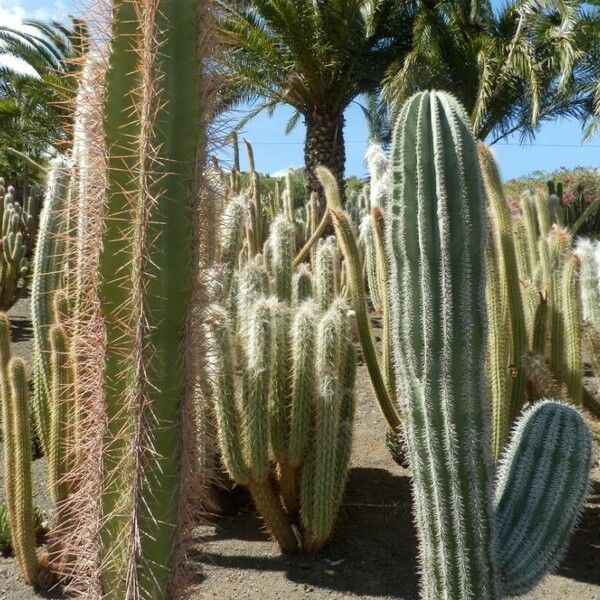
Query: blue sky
[557,144]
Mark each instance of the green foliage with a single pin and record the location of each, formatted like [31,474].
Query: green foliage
[512,67]
[36,105]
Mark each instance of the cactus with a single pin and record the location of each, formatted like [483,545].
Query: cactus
[47,279]
[541,488]
[587,252]
[13,262]
[281,245]
[146,289]
[367,239]
[17,457]
[297,402]
[326,279]
[346,238]
[436,247]
[329,455]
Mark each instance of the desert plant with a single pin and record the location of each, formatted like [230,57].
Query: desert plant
[469,546]
[335,51]
[298,404]
[379,366]
[533,293]
[287,346]
[131,305]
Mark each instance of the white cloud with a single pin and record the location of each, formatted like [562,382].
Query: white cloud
[14,12]
[283,172]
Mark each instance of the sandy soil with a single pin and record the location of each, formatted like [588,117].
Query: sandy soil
[373,554]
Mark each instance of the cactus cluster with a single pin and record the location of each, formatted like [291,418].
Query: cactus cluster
[470,546]
[379,365]
[19,221]
[534,308]
[287,333]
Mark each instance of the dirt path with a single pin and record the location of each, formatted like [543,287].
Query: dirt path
[374,553]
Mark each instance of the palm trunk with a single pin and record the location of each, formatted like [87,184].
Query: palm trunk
[324,145]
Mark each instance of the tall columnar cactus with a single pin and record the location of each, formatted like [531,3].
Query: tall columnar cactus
[13,262]
[327,276]
[534,308]
[435,245]
[587,252]
[368,241]
[154,128]
[47,279]
[379,368]
[17,457]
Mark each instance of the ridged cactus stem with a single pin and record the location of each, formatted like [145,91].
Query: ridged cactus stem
[58,460]
[326,273]
[542,209]
[559,244]
[505,248]
[47,278]
[302,284]
[540,327]
[244,439]
[282,245]
[383,269]
[320,486]
[531,232]
[541,490]
[471,549]
[17,448]
[155,136]
[572,336]
[347,240]
[497,355]
[435,247]
[303,392]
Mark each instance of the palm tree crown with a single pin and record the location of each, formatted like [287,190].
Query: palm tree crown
[35,104]
[313,55]
[511,68]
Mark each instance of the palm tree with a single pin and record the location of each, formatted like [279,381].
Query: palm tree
[35,103]
[512,68]
[588,35]
[316,56]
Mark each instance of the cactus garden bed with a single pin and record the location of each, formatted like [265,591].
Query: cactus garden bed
[374,551]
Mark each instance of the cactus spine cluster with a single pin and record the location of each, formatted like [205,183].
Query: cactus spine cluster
[435,245]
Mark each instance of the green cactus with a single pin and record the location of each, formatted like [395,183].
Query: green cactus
[541,489]
[13,261]
[154,127]
[367,240]
[47,279]
[436,247]
[346,238]
[296,403]
[17,457]
[329,453]
[302,285]
[327,276]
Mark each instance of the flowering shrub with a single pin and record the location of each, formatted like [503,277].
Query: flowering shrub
[577,189]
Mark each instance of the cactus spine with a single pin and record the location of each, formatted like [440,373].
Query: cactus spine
[436,247]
